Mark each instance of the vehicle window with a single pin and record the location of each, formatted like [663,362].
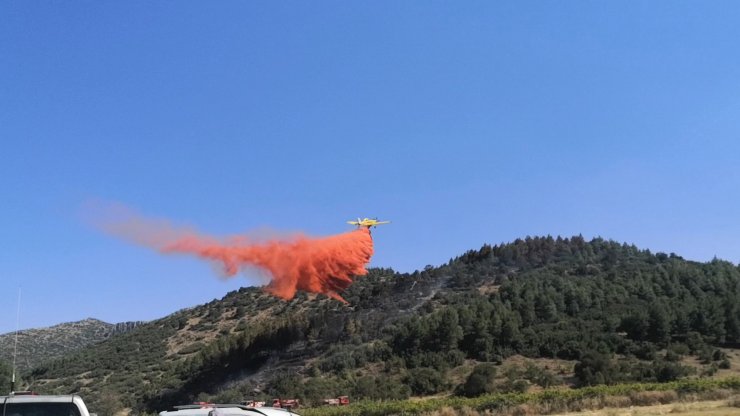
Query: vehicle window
[41,409]
[219,412]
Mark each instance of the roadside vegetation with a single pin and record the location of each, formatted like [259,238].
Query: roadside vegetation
[549,401]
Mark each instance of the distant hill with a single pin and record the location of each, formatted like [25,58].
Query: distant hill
[591,312]
[44,344]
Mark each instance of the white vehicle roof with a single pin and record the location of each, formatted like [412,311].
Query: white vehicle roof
[32,398]
[226,410]
[39,398]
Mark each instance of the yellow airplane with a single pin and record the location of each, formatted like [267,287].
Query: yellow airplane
[367,222]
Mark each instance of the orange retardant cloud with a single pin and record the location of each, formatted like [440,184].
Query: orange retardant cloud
[317,265]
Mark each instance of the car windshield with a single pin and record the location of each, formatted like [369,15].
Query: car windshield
[41,409]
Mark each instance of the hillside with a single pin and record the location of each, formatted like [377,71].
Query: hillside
[595,312]
[44,344]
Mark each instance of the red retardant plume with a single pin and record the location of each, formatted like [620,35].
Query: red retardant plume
[317,265]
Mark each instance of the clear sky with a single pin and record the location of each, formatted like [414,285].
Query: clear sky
[462,122]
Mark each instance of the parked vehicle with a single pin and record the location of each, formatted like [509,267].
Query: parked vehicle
[339,401]
[31,404]
[213,409]
[285,403]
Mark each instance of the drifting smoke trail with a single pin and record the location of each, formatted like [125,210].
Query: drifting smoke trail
[317,265]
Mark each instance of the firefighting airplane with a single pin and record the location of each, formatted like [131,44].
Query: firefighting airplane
[367,222]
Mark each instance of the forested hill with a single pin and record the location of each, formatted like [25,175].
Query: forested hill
[34,346]
[613,311]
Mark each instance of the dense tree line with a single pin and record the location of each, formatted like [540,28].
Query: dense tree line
[568,298]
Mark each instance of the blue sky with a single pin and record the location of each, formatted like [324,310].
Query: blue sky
[462,122]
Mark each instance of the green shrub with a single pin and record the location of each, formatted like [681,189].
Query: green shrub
[668,371]
[424,381]
[480,381]
[710,370]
